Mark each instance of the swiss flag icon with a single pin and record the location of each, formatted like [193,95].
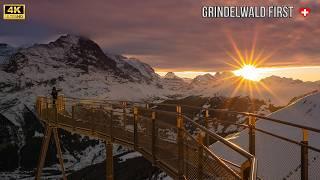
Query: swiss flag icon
[305,11]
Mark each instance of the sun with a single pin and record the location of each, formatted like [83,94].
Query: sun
[249,72]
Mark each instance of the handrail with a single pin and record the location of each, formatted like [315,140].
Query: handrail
[171,113]
[216,110]
[247,114]
[211,109]
[287,139]
[213,135]
[221,139]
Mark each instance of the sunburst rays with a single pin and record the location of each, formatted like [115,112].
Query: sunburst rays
[249,62]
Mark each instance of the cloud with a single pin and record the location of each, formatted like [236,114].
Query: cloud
[172,34]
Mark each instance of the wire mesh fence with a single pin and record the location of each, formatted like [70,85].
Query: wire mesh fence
[151,131]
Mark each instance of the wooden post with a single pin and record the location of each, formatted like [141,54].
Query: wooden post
[109,160]
[55,110]
[47,111]
[200,156]
[135,127]
[180,143]
[304,155]
[187,160]
[44,149]
[252,136]
[73,117]
[207,137]
[124,106]
[92,121]
[153,132]
[58,148]
[111,124]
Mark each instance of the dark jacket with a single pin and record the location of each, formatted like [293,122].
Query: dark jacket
[54,93]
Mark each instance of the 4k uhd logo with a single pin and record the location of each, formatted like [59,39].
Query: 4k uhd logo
[14,11]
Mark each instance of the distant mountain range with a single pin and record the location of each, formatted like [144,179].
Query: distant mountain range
[277,90]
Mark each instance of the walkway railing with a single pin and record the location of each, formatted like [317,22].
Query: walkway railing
[161,136]
[306,151]
[165,135]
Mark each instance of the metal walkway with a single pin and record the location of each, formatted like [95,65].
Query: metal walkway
[162,133]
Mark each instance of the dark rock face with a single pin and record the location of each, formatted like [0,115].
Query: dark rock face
[8,145]
[132,169]
[84,53]
[16,61]
[25,156]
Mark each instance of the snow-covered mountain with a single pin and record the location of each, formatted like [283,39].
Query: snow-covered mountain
[279,91]
[203,79]
[175,83]
[80,68]
[171,75]
[278,159]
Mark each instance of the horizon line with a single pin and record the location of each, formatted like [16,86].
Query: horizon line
[293,72]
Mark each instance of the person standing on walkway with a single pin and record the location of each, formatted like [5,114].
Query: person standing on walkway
[54,94]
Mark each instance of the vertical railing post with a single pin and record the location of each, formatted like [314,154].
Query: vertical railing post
[252,136]
[111,124]
[47,111]
[55,110]
[92,121]
[180,142]
[207,140]
[135,127]
[73,117]
[153,134]
[187,159]
[109,160]
[304,155]
[124,111]
[200,155]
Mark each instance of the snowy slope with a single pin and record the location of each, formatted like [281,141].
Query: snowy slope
[278,159]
